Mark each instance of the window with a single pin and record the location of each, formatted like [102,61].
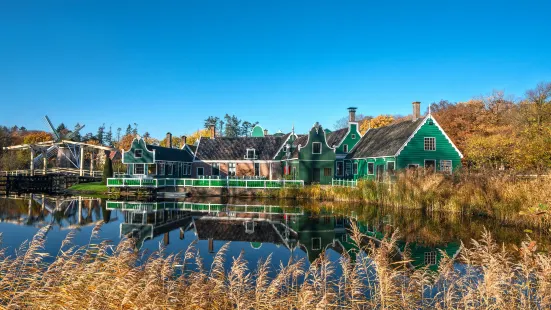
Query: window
[187,169]
[249,227]
[390,167]
[430,144]
[340,166]
[200,171]
[231,169]
[257,169]
[430,258]
[139,169]
[344,238]
[161,168]
[138,153]
[316,148]
[446,166]
[430,165]
[370,168]
[169,168]
[355,168]
[251,154]
[348,168]
[316,244]
[215,169]
[353,136]
[294,173]
[327,172]
[345,148]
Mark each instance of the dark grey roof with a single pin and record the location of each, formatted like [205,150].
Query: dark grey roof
[168,154]
[227,230]
[335,137]
[300,140]
[223,148]
[384,141]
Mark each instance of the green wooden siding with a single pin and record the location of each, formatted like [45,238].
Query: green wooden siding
[362,172]
[351,139]
[414,152]
[146,158]
[312,167]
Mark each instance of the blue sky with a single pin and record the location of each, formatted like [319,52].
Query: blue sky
[169,65]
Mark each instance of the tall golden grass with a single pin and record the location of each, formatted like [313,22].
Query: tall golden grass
[101,276]
[496,195]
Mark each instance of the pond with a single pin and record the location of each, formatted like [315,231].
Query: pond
[284,229]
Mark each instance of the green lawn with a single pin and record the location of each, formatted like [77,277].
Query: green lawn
[94,187]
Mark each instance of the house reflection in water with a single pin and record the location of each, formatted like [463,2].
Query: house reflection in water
[291,227]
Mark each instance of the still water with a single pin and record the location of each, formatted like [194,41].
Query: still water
[259,228]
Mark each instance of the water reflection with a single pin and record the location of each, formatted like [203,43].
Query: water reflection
[281,228]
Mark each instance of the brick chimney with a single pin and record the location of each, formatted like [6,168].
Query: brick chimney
[169,140]
[212,129]
[265,132]
[352,114]
[416,110]
[183,143]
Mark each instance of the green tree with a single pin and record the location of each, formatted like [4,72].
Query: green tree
[107,169]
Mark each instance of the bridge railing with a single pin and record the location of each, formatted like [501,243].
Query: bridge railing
[232,183]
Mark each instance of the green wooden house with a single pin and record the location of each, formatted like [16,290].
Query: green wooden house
[143,160]
[419,143]
[308,157]
[344,140]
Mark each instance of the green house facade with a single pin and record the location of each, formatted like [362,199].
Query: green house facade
[143,160]
[419,143]
[309,157]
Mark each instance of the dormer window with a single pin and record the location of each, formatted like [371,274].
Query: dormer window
[251,154]
[138,153]
[316,148]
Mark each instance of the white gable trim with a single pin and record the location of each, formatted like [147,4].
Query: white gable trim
[419,127]
[324,138]
[284,143]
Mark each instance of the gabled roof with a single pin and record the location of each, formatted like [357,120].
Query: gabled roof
[228,230]
[223,148]
[335,137]
[168,154]
[301,141]
[384,141]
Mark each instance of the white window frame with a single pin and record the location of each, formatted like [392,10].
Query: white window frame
[393,162]
[249,227]
[451,165]
[353,136]
[256,173]
[425,163]
[215,167]
[136,154]
[161,171]
[230,168]
[429,258]
[345,148]
[425,144]
[139,165]
[355,168]
[319,240]
[313,148]
[337,168]
[197,171]
[373,168]
[347,168]
[247,154]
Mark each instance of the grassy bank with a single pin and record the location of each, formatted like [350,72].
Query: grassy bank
[93,188]
[498,196]
[99,276]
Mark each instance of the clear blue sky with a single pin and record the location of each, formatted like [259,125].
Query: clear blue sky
[169,65]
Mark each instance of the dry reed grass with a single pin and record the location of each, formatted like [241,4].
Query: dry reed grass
[102,276]
[500,196]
